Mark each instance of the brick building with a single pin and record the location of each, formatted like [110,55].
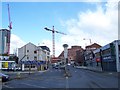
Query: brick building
[80,57]
[93,46]
[89,55]
[71,53]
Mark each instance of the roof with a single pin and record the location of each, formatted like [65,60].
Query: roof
[27,44]
[45,48]
[93,45]
[4,30]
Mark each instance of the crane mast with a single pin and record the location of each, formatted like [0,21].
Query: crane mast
[53,35]
[10,27]
[10,23]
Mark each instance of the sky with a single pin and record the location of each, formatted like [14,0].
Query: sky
[97,21]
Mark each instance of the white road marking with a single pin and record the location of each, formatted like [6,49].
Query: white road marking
[67,84]
[33,85]
[110,73]
[7,86]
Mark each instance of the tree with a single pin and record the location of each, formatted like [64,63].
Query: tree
[14,58]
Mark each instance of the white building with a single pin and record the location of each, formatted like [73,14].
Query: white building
[33,57]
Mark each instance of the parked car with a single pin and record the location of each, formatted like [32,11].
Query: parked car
[56,67]
[17,69]
[62,67]
[4,77]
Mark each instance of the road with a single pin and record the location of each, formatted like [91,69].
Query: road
[54,78]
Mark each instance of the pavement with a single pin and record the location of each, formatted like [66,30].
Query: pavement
[20,74]
[99,70]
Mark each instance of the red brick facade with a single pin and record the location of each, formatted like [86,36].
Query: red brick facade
[55,60]
[71,53]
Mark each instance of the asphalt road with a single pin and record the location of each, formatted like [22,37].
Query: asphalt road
[54,78]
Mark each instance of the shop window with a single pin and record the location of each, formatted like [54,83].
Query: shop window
[26,66]
[32,66]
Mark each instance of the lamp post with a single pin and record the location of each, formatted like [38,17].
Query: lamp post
[88,39]
[66,59]
[101,60]
[65,53]
[87,51]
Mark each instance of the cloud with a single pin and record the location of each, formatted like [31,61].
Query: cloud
[101,26]
[16,42]
[58,46]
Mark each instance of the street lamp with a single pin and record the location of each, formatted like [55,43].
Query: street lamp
[88,39]
[65,53]
[65,58]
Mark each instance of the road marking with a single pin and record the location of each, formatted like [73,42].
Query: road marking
[33,85]
[7,86]
[110,73]
[67,84]
[96,84]
[66,77]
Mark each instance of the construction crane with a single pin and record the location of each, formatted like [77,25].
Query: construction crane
[10,23]
[53,37]
[10,27]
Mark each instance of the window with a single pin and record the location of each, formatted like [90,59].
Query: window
[106,52]
[97,54]
[35,52]
[32,66]
[26,66]
[27,50]
[35,58]
[27,57]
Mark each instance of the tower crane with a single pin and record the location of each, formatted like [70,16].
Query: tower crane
[53,37]
[10,23]
[10,27]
